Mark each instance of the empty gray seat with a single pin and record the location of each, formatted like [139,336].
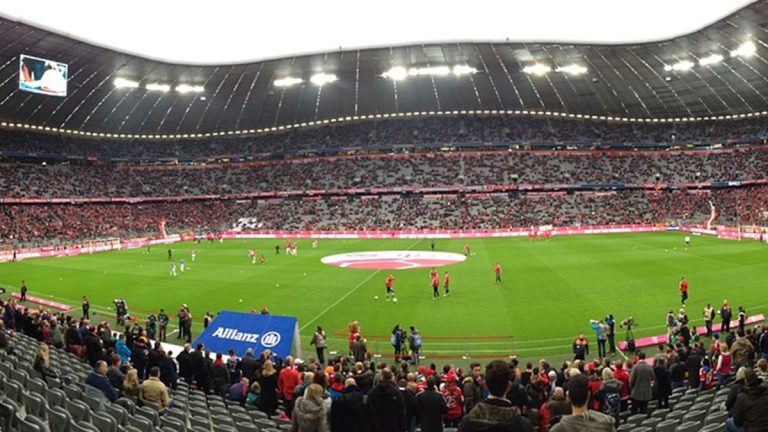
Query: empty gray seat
[682,406]
[224,428]
[128,428]
[716,418]
[128,404]
[73,392]
[20,376]
[104,422]
[142,423]
[79,410]
[58,419]
[37,385]
[172,424]
[13,390]
[651,422]
[689,427]
[55,397]
[714,427]
[24,425]
[675,415]
[642,429]
[636,419]
[667,425]
[8,410]
[660,413]
[118,413]
[264,423]
[200,422]
[35,405]
[694,416]
[246,427]
[40,423]
[83,427]
[626,427]
[177,414]
[150,414]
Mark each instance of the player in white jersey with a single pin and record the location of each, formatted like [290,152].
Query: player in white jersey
[687,241]
[252,256]
[181,265]
[194,255]
[173,268]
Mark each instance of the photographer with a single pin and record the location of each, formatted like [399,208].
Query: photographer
[121,310]
[629,323]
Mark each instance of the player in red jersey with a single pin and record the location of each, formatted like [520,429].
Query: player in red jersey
[497,270]
[435,288]
[467,250]
[287,246]
[683,291]
[446,282]
[432,274]
[390,290]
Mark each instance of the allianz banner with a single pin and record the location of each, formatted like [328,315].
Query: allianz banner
[240,331]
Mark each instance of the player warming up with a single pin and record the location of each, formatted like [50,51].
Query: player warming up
[194,255]
[497,271]
[435,287]
[446,282]
[687,241]
[467,250]
[173,269]
[181,265]
[390,289]
[683,291]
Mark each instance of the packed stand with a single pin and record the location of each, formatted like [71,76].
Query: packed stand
[18,180]
[449,130]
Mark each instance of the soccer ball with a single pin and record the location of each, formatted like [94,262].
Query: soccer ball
[394,299]
[277,285]
[375,297]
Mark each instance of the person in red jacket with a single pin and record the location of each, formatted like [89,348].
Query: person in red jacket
[497,271]
[287,382]
[621,375]
[454,399]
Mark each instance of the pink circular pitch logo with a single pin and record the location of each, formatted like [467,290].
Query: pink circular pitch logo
[393,260]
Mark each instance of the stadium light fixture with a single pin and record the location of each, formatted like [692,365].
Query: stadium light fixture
[158,87]
[747,49]
[432,70]
[573,69]
[680,66]
[460,70]
[186,88]
[537,69]
[710,60]
[125,83]
[396,73]
[288,82]
[322,78]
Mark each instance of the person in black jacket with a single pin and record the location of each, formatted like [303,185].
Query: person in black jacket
[93,346]
[430,406]
[168,373]
[386,406]
[199,369]
[348,410]
[185,364]
[410,405]
[496,413]
[663,381]
[219,375]
[249,365]
[693,364]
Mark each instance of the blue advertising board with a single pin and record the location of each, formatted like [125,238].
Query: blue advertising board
[239,331]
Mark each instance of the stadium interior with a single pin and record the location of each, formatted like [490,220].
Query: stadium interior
[417,140]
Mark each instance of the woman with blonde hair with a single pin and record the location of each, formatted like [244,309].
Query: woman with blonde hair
[724,362]
[131,384]
[42,363]
[310,414]
[268,382]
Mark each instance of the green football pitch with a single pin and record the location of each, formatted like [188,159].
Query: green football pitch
[550,289]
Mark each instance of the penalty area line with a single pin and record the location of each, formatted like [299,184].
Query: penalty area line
[344,297]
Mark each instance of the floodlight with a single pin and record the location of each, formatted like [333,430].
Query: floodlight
[287,81]
[710,60]
[322,78]
[125,83]
[537,69]
[396,73]
[747,49]
[680,66]
[186,88]
[459,70]
[573,69]
[158,87]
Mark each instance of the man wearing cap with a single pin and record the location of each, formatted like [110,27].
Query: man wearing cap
[454,400]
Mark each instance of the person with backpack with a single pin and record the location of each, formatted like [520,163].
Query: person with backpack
[609,396]
[415,344]
[397,338]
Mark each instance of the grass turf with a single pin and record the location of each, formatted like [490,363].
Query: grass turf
[550,289]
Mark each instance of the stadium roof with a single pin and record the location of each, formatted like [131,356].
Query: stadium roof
[719,70]
[235,31]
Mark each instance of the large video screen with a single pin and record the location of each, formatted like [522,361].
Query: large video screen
[42,76]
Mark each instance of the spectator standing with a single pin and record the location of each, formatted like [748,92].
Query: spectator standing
[86,308]
[610,322]
[663,380]
[288,380]
[386,406]
[725,315]
[268,382]
[98,379]
[580,348]
[162,325]
[473,387]
[348,410]
[310,414]
[709,317]
[582,418]
[750,407]
[496,412]
[431,406]
[640,380]
[742,350]
[318,340]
